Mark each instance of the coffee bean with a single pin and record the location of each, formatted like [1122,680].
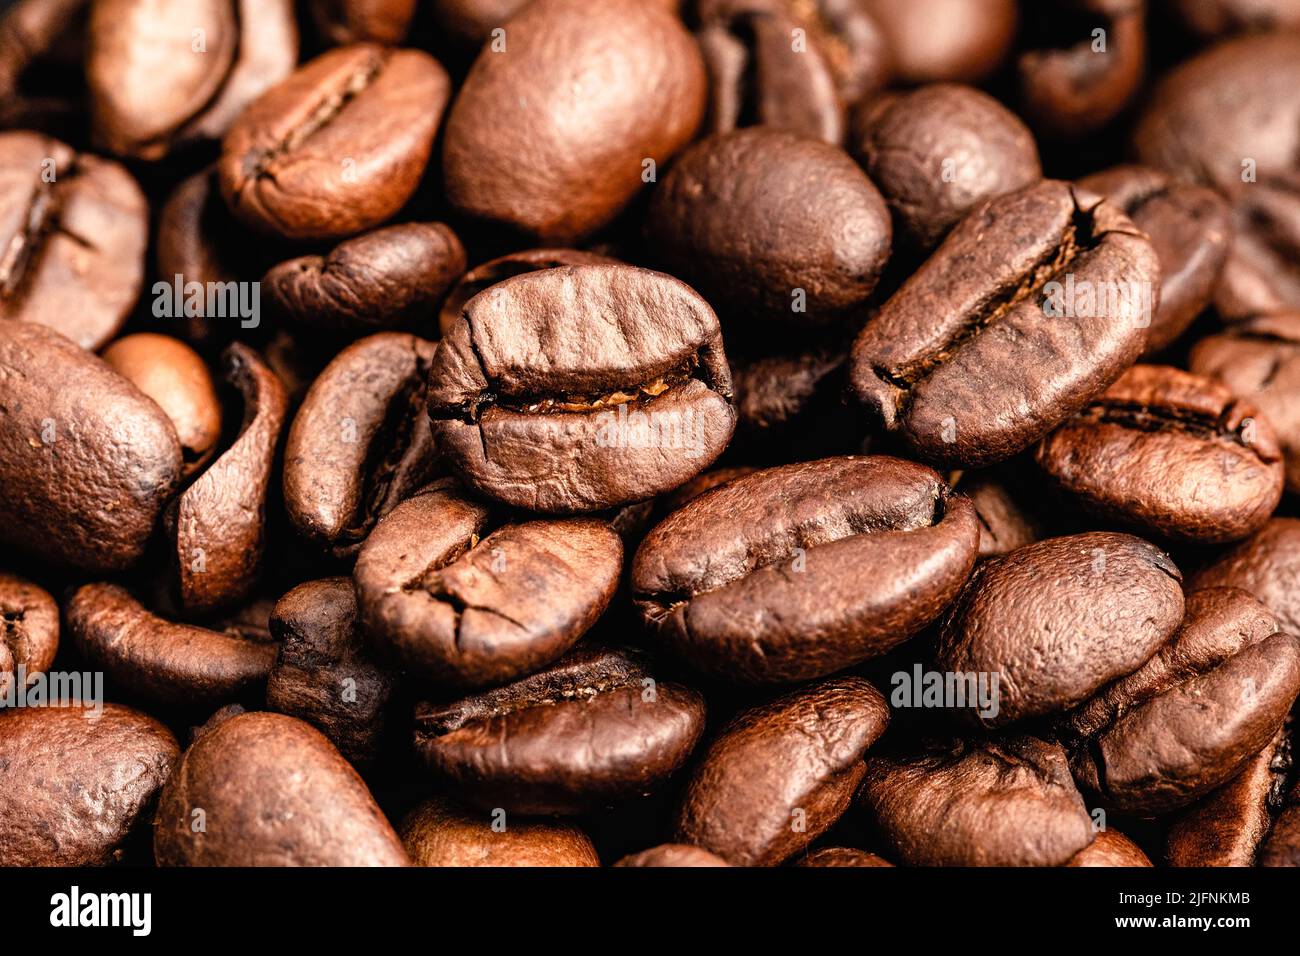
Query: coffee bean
[337,147]
[581,388]
[40,85]
[439,833]
[460,596]
[672,855]
[1111,848]
[1216,18]
[780,774]
[1267,565]
[1170,454]
[1282,848]
[356,21]
[842,856]
[992,342]
[263,789]
[73,231]
[114,762]
[761,580]
[29,631]
[1006,520]
[931,40]
[593,729]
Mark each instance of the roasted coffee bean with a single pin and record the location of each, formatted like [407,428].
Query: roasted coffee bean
[1169,454]
[938,152]
[963,40]
[37,38]
[470,22]
[1088,66]
[1034,304]
[1005,518]
[361,441]
[216,528]
[780,774]
[29,632]
[1191,229]
[1227,827]
[273,792]
[1058,620]
[593,729]
[376,281]
[1282,848]
[1216,18]
[324,673]
[457,595]
[87,461]
[773,392]
[439,833]
[1110,848]
[1267,565]
[166,73]
[162,661]
[174,376]
[1260,361]
[1005,801]
[672,855]
[75,782]
[801,571]
[842,856]
[73,229]
[698,485]
[357,21]
[337,147]
[581,388]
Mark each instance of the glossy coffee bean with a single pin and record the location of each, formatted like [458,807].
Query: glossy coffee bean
[581,388]
[272,792]
[73,228]
[1191,229]
[1190,718]
[962,40]
[1111,848]
[636,108]
[968,362]
[780,774]
[337,147]
[1170,454]
[771,226]
[1260,361]
[161,661]
[1005,801]
[440,833]
[360,442]
[174,376]
[86,470]
[838,856]
[672,855]
[324,673]
[1267,564]
[1059,620]
[591,730]
[358,21]
[797,572]
[216,528]
[468,598]
[29,631]
[378,280]
[938,152]
[167,73]
[114,763]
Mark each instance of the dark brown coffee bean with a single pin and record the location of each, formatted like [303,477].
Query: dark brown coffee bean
[1260,361]
[772,227]
[1059,620]
[163,75]
[39,38]
[439,833]
[581,388]
[838,856]
[1169,454]
[271,791]
[324,673]
[73,229]
[337,147]
[1190,718]
[989,802]
[672,855]
[163,661]
[1006,520]
[1282,848]
[460,597]
[174,376]
[361,441]
[29,632]
[216,528]
[1191,229]
[1034,303]
[938,152]
[1267,565]
[86,470]
[1216,18]
[772,392]
[705,481]
[1111,848]
[376,281]
[594,729]
[963,40]
[74,784]
[761,580]
[780,774]
[357,21]
[596,124]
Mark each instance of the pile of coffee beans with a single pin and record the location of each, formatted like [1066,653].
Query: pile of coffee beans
[649,433]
